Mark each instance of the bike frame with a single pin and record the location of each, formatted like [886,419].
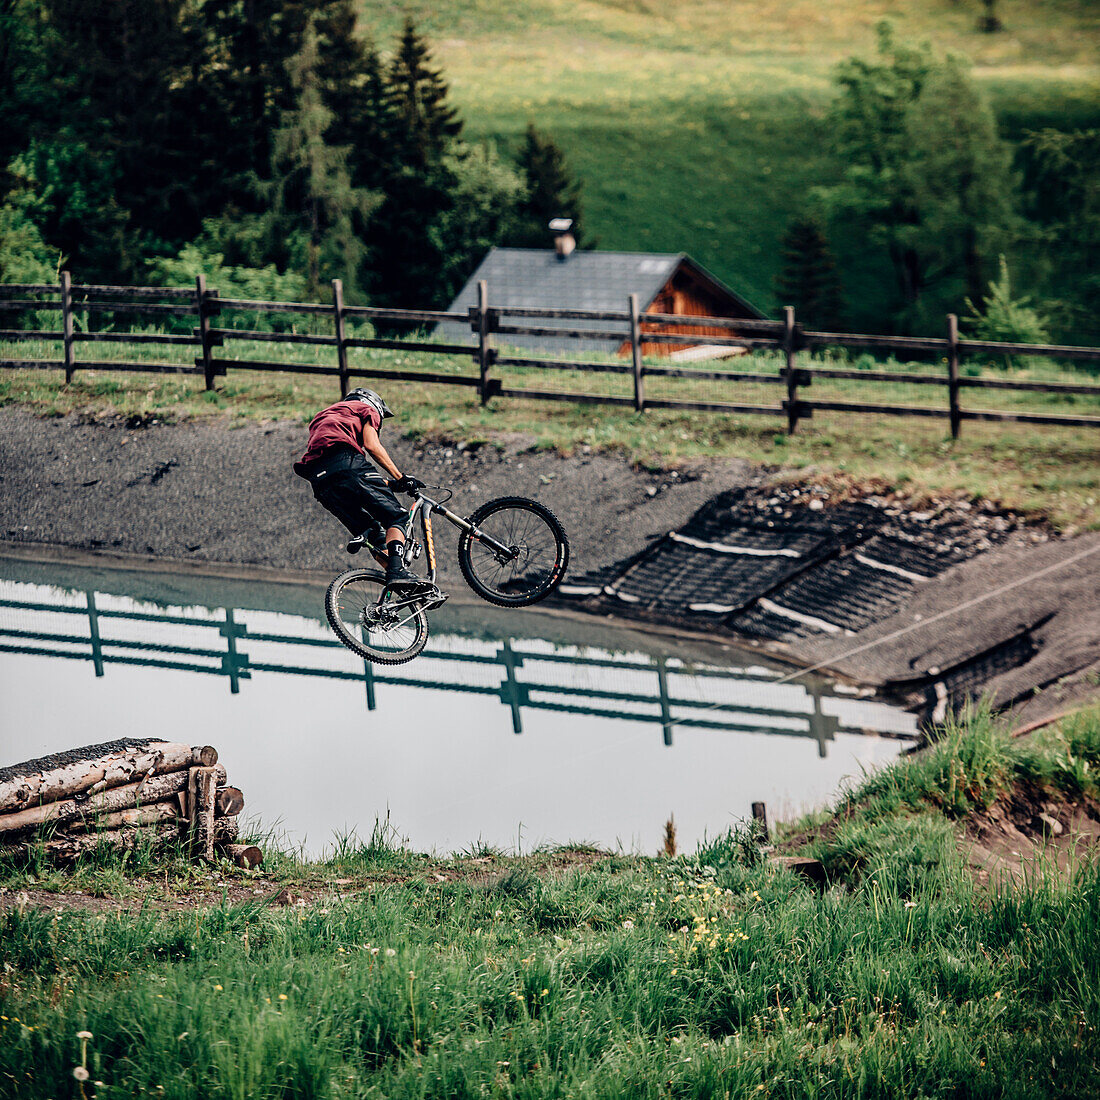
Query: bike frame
[424,506]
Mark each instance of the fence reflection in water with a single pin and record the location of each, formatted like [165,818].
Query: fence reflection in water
[523,673]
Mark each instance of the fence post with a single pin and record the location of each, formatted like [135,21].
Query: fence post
[67,325]
[666,706]
[953,373]
[204,331]
[636,352]
[511,692]
[484,354]
[792,378]
[760,822]
[93,629]
[341,347]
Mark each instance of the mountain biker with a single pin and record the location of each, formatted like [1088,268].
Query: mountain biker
[335,464]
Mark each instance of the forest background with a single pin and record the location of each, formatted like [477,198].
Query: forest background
[865,171]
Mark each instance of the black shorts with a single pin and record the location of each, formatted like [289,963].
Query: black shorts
[354,492]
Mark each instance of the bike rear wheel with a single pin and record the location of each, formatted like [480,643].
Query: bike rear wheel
[538,552]
[388,632]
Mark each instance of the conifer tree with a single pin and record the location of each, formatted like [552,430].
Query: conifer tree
[809,280]
[426,126]
[354,86]
[550,192]
[313,201]
[959,174]
[406,248]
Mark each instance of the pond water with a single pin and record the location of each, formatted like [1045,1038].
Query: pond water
[513,729]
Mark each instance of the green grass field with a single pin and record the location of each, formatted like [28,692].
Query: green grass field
[698,126]
[701,976]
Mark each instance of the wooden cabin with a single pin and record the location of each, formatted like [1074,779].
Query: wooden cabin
[598,280]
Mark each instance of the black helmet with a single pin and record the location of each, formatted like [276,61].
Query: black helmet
[371,398]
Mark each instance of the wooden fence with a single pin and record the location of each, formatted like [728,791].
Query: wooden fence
[492,325]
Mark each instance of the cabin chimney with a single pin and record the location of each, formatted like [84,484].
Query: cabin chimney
[564,241]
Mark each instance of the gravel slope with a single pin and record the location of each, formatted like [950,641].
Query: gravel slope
[225,492]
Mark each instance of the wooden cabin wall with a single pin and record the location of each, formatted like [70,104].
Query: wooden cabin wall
[687,294]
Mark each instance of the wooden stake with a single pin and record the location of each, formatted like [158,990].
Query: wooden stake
[202,820]
[341,346]
[207,360]
[953,373]
[483,354]
[792,378]
[760,819]
[67,325]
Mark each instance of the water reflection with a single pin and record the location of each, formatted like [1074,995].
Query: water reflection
[439,765]
[229,643]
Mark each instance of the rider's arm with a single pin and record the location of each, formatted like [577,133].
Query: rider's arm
[373,446]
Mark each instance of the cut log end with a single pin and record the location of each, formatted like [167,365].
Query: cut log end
[229,802]
[243,855]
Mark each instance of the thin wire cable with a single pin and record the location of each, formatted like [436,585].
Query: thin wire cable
[602,749]
[919,625]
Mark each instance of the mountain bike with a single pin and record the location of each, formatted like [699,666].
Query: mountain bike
[512,551]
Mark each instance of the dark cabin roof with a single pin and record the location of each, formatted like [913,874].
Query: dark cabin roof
[586,280]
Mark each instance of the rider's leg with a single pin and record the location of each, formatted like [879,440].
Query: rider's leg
[396,573]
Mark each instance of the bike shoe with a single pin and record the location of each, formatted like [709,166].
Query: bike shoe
[398,577]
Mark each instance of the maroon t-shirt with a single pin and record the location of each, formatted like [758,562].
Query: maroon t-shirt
[338,425]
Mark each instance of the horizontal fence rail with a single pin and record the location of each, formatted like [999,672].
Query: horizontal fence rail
[93,627]
[628,332]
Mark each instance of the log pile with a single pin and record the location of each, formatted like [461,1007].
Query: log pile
[124,794]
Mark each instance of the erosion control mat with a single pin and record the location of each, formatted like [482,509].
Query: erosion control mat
[848,586]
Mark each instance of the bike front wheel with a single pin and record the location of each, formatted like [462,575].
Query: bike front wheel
[388,628]
[519,554]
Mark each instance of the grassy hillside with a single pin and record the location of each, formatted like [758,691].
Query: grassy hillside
[697,125]
[571,973]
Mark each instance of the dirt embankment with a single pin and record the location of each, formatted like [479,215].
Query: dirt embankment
[225,492]
[936,605]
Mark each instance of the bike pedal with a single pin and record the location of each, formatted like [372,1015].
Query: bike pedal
[435,599]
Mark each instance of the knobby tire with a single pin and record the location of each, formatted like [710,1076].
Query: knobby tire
[541,524]
[373,581]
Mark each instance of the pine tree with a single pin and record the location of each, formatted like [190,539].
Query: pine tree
[426,126]
[128,63]
[407,253]
[313,201]
[809,280]
[551,192]
[354,87]
[990,22]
